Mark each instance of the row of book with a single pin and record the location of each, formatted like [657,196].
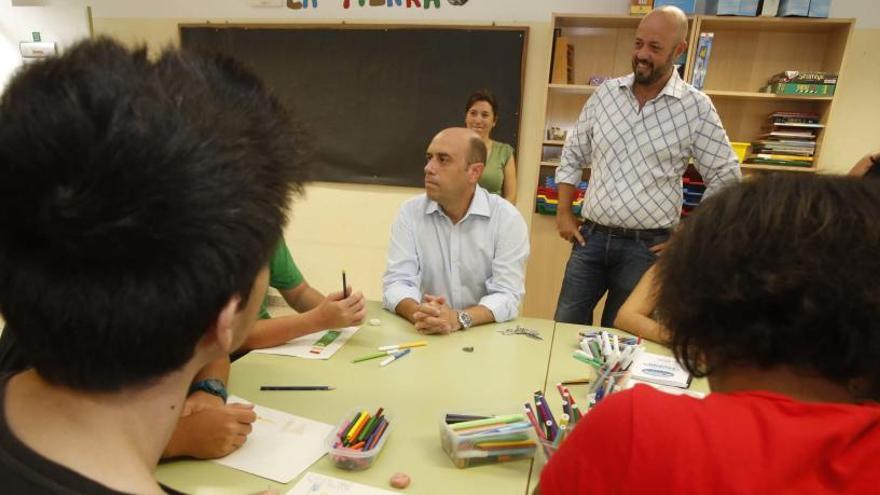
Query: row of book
[790,140]
[547,197]
[793,82]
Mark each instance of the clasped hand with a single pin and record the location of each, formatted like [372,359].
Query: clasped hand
[434,316]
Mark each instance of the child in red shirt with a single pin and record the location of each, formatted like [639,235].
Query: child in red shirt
[783,319]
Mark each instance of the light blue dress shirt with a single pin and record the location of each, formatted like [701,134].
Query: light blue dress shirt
[479,261]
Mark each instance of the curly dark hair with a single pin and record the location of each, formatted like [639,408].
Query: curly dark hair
[482,95]
[779,271]
[137,197]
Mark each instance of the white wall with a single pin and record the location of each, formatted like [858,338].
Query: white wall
[346,225]
[62,23]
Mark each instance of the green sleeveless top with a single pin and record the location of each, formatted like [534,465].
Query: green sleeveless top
[493,174]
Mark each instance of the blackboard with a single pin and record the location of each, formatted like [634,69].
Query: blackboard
[372,98]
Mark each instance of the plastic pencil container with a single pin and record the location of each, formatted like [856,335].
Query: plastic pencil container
[352,458]
[487,439]
[548,448]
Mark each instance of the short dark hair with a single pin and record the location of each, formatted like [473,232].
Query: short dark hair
[778,271]
[476,151]
[136,198]
[482,95]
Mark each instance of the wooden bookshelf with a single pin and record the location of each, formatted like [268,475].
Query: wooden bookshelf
[578,89]
[776,168]
[750,95]
[746,51]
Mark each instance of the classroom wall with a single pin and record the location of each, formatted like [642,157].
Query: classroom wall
[61,23]
[346,226]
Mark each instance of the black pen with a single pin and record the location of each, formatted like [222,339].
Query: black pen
[297,387]
[344,286]
[576,382]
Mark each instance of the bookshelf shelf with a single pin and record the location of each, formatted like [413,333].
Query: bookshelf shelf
[775,24]
[777,168]
[751,95]
[550,164]
[578,89]
[592,21]
[554,143]
[746,51]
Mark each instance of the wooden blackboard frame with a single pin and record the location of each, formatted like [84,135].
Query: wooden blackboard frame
[324,169]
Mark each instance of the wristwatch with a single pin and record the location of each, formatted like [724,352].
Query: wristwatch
[464,320]
[211,385]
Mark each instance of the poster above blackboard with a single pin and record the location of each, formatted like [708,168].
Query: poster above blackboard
[372,98]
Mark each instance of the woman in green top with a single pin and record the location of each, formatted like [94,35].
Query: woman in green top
[499,175]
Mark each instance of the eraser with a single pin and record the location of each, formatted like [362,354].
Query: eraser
[400,480]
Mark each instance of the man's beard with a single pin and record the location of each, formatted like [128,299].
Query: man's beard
[655,72]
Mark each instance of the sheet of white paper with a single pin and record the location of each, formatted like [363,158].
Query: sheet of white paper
[281,445]
[304,346]
[632,382]
[318,484]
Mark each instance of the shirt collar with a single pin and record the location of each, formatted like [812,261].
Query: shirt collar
[479,205]
[674,86]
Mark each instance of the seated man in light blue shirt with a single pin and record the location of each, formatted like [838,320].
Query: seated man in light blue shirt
[458,254]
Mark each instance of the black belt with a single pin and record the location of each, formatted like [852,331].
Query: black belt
[636,234]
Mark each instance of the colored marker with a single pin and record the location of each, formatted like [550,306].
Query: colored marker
[495,420]
[403,346]
[373,356]
[394,357]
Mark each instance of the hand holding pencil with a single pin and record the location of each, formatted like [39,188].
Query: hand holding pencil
[337,311]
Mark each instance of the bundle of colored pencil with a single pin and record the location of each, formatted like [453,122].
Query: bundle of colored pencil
[363,432]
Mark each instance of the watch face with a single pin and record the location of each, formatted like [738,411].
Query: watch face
[464,319]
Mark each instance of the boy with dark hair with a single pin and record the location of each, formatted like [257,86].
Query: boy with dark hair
[784,322]
[139,203]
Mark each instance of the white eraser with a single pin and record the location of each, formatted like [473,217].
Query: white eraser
[375,322]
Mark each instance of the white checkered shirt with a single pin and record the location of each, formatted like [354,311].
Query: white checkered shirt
[638,157]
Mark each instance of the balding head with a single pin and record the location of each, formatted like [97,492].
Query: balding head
[671,20]
[455,161]
[476,148]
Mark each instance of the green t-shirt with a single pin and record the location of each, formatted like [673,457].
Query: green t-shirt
[283,275]
[492,179]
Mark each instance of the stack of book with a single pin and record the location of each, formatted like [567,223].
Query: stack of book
[790,140]
[792,82]
[547,198]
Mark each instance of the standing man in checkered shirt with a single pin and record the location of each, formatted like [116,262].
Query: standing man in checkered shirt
[637,133]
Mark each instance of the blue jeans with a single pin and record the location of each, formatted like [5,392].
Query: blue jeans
[607,263]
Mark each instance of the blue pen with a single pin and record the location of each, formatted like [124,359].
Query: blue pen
[599,394]
[394,357]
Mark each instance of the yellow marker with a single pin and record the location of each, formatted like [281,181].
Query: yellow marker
[402,346]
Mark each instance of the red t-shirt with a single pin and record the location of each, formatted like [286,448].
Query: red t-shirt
[643,441]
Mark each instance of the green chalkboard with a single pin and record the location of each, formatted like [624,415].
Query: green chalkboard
[371,98]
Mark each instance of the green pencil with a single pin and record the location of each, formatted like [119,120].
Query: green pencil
[370,356]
